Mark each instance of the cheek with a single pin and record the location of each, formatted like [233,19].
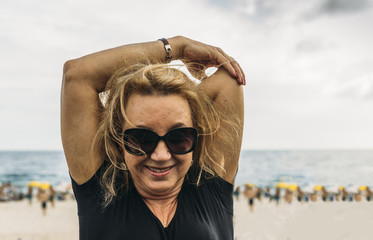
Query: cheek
[187,160]
[132,161]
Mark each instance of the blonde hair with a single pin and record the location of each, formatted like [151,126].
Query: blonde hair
[154,79]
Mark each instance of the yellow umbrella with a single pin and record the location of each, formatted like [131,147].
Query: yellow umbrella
[249,185]
[45,185]
[34,184]
[281,185]
[292,187]
[341,188]
[363,188]
[318,188]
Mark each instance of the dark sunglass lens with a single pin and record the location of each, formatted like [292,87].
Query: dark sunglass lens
[181,140]
[138,139]
[147,140]
[131,144]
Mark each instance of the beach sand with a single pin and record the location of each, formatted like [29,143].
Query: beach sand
[304,221]
[296,221]
[20,221]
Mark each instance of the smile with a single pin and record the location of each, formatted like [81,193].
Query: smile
[159,172]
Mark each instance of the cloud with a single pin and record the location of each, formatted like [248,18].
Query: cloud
[259,11]
[344,6]
[334,8]
[265,11]
[360,88]
[312,45]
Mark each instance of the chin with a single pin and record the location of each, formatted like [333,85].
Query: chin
[163,188]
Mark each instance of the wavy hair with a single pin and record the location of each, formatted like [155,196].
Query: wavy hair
[155,79]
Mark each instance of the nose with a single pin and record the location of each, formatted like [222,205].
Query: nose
[161,152]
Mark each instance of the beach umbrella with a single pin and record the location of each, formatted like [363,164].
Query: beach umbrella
[292,187]
[45,185]
[249,185]
[281,185]
[34,184]
[318,188]
[363,188]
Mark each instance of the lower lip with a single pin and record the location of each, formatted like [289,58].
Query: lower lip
[159,174]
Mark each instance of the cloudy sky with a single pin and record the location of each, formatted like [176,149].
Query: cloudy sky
[308,64]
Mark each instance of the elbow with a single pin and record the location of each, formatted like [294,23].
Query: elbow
[74,70]
[69,70]
[67,66]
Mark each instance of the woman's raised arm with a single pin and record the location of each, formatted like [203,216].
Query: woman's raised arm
[83,79]
[227,97]
[225,90]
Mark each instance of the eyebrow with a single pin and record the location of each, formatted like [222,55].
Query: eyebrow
[177,125]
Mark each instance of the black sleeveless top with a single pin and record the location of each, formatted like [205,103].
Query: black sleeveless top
[203,212]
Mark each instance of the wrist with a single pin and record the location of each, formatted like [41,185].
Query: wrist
[178,44]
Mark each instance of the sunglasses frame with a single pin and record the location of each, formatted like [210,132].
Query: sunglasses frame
[159,138]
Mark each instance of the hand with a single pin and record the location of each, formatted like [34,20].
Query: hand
[210,56]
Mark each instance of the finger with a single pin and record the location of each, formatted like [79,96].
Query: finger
[242,73]
[222,60]
[238,73]
[236,66]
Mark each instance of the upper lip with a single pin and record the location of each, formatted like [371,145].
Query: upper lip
[160,167]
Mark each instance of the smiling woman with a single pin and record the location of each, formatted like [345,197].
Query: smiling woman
[158,159]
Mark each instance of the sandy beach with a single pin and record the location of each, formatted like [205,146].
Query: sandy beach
[304,221]
[295,221]
[21,221]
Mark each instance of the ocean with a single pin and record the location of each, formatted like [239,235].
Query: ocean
[331,168]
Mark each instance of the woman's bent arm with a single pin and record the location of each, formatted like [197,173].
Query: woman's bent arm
[83,80]
[227,97]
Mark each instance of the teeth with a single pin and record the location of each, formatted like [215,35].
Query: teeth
[159,170]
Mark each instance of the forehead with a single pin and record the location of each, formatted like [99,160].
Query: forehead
[158,112]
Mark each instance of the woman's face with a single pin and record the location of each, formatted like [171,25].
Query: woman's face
[160,173]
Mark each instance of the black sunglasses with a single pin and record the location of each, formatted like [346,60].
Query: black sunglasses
[178,140]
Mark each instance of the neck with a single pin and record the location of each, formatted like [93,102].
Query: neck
[159,196]
[159,202]
[163,208]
